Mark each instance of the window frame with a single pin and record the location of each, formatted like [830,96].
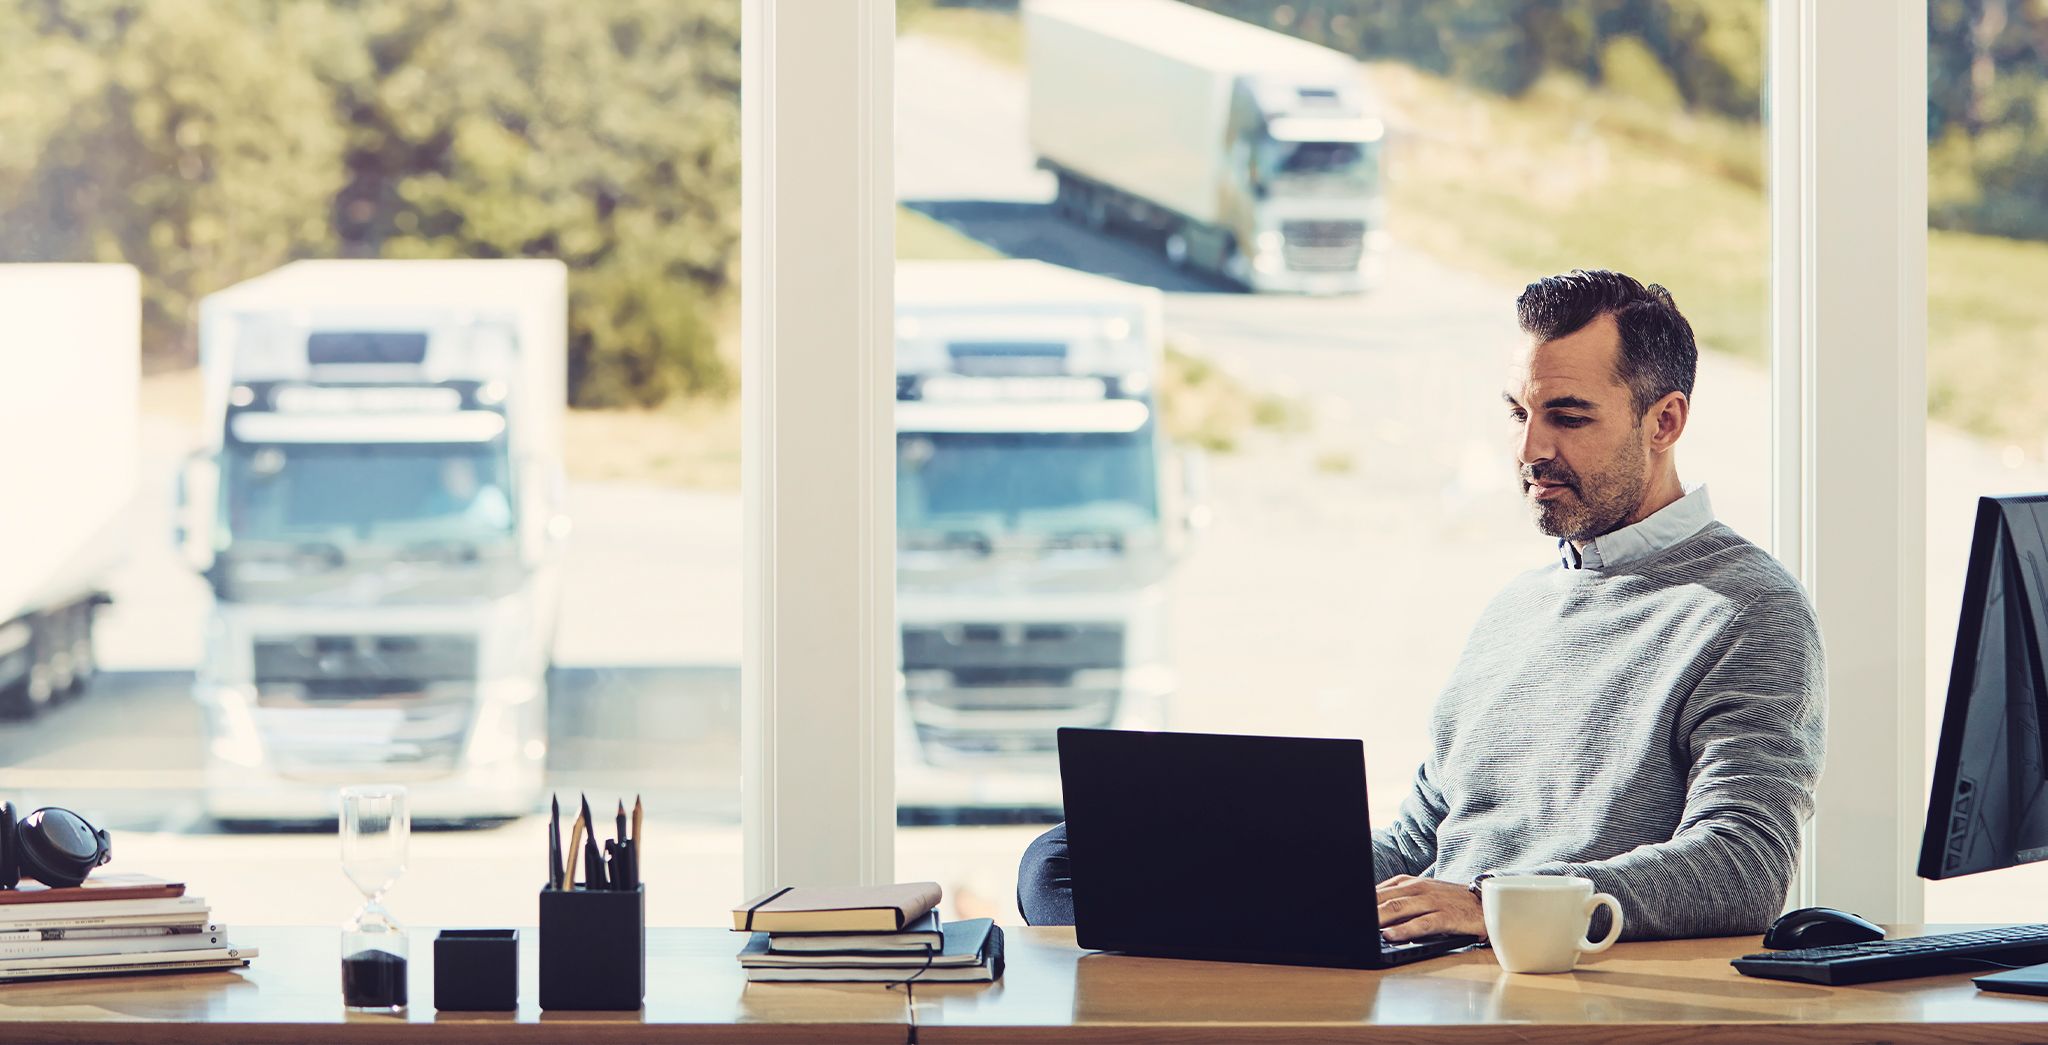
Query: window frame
[1848,213]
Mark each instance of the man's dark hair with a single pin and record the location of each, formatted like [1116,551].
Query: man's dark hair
[1657,353]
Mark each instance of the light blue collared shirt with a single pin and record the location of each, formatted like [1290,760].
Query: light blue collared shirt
[1665,527]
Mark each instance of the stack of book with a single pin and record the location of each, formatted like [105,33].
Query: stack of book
[882,932]
[114,924]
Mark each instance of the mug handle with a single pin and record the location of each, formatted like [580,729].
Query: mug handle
[1613,906]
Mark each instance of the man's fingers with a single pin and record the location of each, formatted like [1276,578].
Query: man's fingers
[1429,924]
[1393,887]
[1399,879]
[1401,909]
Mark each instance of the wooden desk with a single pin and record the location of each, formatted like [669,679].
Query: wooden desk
[1680,991]
[1677,992]
[292,993]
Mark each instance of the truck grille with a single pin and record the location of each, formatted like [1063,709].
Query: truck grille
[1322,246]
[1013,647]
[370,664]
[329,702]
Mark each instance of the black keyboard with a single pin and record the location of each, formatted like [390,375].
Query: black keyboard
[1979,951]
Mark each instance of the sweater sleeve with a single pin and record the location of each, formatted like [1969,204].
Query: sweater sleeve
[1408,845]
[1753,730]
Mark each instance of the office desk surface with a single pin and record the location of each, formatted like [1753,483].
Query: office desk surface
[1678,991]
[292,993]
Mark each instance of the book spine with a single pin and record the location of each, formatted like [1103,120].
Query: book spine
[111,945]
[138,921]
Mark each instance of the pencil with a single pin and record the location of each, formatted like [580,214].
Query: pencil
[575,850]
[636,839]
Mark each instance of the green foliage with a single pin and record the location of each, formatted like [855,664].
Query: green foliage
[206,141]
[173,135]
[1628,67]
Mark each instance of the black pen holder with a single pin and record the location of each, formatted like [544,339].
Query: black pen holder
[593,948]
[476,970]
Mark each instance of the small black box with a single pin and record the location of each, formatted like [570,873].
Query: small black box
[476,970]
[593,948]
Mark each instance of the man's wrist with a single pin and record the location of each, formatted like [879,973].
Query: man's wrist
[1477,881]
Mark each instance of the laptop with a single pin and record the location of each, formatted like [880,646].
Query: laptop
[1225,848]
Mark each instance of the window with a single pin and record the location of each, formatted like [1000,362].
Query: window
[1312,312]
[1986,431]
[427,318]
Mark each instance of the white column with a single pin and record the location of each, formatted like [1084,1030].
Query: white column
[817,682]
[1848,103]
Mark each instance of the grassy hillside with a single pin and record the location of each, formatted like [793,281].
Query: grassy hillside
[1571,176]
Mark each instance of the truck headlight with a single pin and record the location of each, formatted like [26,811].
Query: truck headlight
[1269,242]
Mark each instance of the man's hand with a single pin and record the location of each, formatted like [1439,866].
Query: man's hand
[1413,907]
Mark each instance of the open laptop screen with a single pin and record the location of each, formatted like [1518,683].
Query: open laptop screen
[1208,845]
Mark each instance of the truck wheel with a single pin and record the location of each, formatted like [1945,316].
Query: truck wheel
[84,665]
[63,626]
[32,693]
[1066,200]
[1237,268]
[1176,249]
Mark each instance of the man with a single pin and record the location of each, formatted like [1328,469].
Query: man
[1647,711]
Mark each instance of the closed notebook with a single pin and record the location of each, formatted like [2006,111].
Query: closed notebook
[979,938]
[152,944]
[915,937]
[961,946]
[863,908]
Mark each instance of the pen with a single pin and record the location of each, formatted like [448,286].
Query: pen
[593,870]
[622,836]
[554,842]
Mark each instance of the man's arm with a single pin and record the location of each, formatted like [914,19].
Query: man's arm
[1408,845]
[1754,729]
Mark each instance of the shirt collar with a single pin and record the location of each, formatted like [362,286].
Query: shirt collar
[1667,526]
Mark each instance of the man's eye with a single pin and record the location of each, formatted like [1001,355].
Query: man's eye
[1518,415]
[1571,420]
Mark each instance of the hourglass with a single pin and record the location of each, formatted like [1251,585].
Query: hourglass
[375,827]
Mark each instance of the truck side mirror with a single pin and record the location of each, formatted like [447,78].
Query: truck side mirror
[198,492]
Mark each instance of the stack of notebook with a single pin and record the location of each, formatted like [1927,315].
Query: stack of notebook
[882,932]
[114,924]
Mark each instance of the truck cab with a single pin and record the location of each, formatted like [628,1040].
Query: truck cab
[1040,512]
[380,528]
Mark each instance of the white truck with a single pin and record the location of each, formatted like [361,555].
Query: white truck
[70,361]
[379,515]
[1040,510]
[1243,152]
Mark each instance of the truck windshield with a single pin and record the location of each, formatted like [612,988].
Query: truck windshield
[1305,164]
[400,492]
[1039,483]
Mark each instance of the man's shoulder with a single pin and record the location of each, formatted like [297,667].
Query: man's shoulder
[1732,567]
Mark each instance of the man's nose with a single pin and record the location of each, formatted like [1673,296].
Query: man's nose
[1534,445]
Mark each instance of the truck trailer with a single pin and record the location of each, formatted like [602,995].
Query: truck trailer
[69,368]
[1242,152]
[378,512]
[1040,512]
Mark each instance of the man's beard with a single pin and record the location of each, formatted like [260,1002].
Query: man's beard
[1590,508]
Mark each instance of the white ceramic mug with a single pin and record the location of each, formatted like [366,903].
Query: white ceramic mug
[1538,922]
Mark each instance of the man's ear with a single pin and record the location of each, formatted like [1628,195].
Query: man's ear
[1666,420]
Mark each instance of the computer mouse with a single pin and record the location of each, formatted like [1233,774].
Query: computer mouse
[1819,927]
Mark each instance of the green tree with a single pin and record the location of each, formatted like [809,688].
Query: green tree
[173,135]
[604,134]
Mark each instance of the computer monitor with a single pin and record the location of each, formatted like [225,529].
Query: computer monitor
[1989,803]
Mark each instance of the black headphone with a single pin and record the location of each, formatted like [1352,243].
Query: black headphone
[53,846]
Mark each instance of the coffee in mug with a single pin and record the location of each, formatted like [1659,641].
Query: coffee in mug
[1538,922]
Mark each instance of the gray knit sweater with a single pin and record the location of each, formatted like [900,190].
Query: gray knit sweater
[1655,726]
